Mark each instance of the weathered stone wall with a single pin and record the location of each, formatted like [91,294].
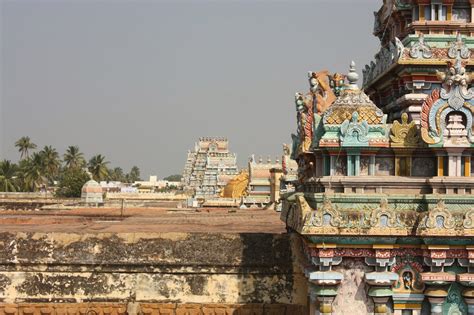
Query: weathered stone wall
[352,293]
[149,271]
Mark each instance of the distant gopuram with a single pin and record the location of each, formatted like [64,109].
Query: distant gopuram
[384,199]
[209,166]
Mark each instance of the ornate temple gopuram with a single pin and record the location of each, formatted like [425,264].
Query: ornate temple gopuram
[384,197]
[209,167]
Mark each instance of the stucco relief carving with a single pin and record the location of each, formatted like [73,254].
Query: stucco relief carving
[420,50]
[468,222]
[383,217]
[326,216]
[446,115]
[459,48]
[404,134]
[439,218]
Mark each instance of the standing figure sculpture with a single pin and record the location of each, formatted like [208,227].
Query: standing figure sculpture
[304,108]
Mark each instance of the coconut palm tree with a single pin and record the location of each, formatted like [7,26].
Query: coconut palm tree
[98,167]
[8,182]
[33,172]
[51,162]
[134,174]
[117,174]
[24,144]
[73,158]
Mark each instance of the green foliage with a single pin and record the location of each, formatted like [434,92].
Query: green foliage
[71,182]
[8,178]
[73,158]
[168,188]
[51,162]
[33,172]
[98,167]
[134,175]
[41,169]
[173,178]
[24,144]
[116,174]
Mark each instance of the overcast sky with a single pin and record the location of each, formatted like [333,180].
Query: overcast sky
[140,81]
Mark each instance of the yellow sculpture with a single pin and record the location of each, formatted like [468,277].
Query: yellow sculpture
[236,187]
[404,134]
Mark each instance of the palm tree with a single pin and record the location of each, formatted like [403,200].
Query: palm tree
[73,158]
[8,172]
[117,174]
[134,174]
[98,167]
[24,144]
[33,172]
[51,162]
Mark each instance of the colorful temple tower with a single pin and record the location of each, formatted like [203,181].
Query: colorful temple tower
[209,167]
[384,198]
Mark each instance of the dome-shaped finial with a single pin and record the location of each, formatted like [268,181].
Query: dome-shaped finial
[352,77]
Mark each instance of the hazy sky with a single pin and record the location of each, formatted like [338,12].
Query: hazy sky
[140,81]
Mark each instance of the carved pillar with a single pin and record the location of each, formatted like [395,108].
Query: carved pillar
[332,165]
[421,10]
[468,295]
[455,162]
[467,279]
[437,281]
[353,162]
[441,170]
[472,10]
[372,165]
[403,163]
[324,283]
[436,295]
[381,280]
[449,12]
[467,165]
[323,290]
[410,302]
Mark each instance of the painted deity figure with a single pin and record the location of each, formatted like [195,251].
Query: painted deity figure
[305,117]
[337,83]
[322,89]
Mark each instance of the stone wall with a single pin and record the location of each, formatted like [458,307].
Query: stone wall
[150,273]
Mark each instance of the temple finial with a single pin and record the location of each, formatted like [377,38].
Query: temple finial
[352,77]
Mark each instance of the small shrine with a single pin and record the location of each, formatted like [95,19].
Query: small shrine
[91,192]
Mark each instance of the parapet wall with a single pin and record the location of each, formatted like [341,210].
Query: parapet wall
[150,273]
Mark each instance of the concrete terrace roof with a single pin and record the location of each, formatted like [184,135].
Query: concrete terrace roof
[153,220]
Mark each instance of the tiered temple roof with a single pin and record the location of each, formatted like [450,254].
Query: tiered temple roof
[384,171]
[209,167]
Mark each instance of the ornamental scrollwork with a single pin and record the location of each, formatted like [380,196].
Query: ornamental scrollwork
[468,222]
[446,115]
[439,217]
[459,48]
[456,81]
[404,134]
[383,217]
[420,50]
[326,216]
[354,132]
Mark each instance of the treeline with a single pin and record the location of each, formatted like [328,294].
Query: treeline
[40,170]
